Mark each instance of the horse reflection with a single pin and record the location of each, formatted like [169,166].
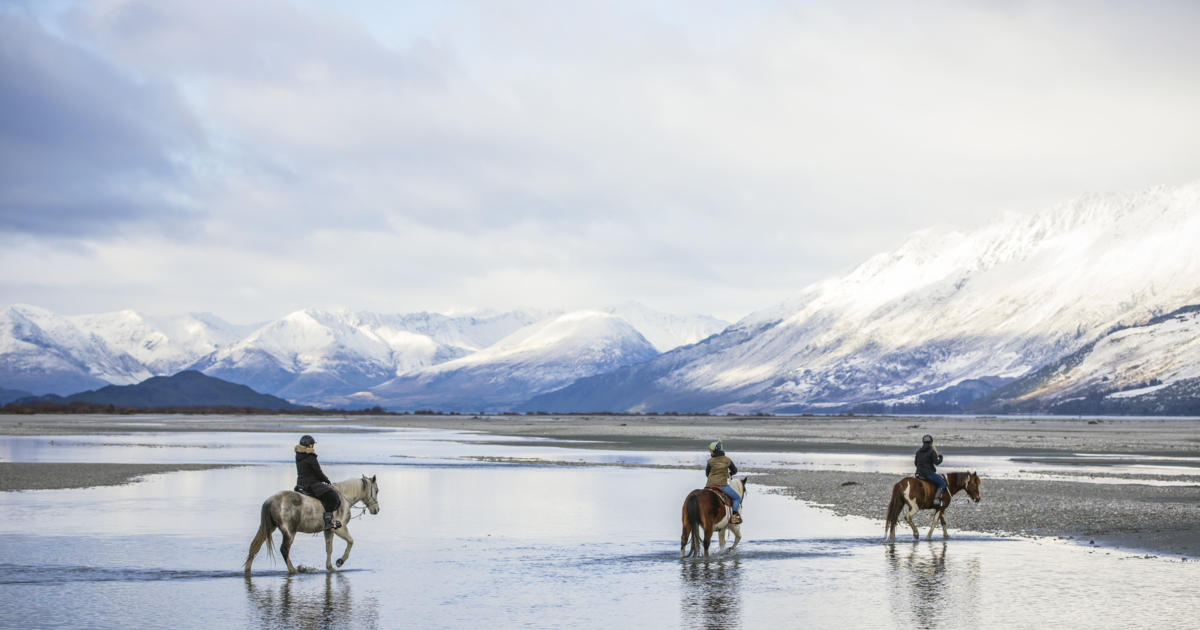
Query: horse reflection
[711,594]
[316,604]
[924,590]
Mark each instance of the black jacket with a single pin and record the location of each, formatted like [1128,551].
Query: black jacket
[308,470]
[927,460]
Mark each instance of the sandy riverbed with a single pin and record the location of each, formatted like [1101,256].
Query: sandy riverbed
[1161,519]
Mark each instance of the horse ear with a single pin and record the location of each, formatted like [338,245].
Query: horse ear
[745,480]
[372,478]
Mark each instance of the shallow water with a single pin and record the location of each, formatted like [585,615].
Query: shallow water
[464,544]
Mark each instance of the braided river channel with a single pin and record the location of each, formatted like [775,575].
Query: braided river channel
[471,535]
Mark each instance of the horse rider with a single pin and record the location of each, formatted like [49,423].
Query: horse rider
[719,470]
[312,480]
[927,459]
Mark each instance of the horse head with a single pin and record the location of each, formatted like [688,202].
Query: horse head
[371,493]
[740,486]
[973,486]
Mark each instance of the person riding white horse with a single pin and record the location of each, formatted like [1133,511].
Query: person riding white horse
[311,479]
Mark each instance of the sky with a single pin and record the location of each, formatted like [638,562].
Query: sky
[705,157]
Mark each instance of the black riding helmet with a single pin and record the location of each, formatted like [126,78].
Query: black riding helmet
[307,440]
[927,439]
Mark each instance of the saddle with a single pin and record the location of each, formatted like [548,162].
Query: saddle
[725,498]
[304,491]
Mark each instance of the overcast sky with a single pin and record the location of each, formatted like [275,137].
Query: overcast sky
[253,158]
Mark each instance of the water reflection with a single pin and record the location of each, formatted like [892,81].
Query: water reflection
[710,593]
[309,602]
[926,591]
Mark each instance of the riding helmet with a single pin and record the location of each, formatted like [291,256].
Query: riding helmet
[307,440]
[715,446]
[927,439]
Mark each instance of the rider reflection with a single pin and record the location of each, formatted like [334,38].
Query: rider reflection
[308,603]
[711,594]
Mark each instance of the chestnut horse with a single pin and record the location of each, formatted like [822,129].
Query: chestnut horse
[911,494]
[706,507]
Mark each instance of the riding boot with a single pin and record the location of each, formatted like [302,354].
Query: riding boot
[329,522]
[736,519]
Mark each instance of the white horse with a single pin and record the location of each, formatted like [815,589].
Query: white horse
[295,513]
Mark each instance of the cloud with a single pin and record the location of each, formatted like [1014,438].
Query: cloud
[84,149]
[497,154]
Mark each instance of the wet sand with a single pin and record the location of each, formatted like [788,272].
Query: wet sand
[50,476]
[1158,519]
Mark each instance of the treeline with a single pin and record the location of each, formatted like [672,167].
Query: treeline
[80,407]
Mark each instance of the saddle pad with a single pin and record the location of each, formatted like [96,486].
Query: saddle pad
[725,498]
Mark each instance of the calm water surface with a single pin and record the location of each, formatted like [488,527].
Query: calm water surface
[464,544]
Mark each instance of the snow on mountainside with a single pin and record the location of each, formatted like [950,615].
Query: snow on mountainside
[43,352]
[164,345]
[313,354]
[666,331]
[538,358]
[943,309]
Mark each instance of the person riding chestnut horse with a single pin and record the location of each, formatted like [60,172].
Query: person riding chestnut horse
[926,490]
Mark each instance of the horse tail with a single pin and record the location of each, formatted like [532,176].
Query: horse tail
[266,525]
[691,508]
[894,507]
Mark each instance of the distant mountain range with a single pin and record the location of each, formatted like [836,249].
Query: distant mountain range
[339,357]
[1092,306]
[185,389]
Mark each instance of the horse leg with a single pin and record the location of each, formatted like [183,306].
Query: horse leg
[285,548]
[908,514]
[937,516]
[721,539]
[942,516]
[344,534]
[737,536]
[687,532]
[328,550]
[708,532]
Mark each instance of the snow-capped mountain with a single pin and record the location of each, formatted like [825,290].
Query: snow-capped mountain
[666,331]
[44,352]
[537,358]
[945,310]
[164,345]
[313,354]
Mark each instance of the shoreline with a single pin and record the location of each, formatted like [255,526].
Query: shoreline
[1132,516]
[20,476]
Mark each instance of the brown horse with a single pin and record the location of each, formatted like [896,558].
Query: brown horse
[911,494]
[706,508]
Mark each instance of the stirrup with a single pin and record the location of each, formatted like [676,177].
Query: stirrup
[736,519]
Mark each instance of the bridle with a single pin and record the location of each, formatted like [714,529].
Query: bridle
[369,503]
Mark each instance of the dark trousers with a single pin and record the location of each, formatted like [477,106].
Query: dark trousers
[326,494]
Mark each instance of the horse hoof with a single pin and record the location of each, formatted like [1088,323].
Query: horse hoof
[340,562]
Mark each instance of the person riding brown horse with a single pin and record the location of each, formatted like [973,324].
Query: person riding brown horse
[926,460]
[719,470]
